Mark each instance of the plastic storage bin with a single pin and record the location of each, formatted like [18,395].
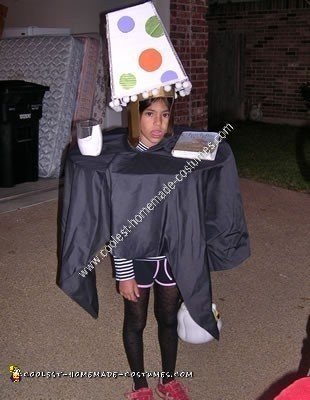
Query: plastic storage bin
[20,112]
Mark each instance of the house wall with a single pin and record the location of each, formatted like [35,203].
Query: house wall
[189,35]
[277,53]
[82,16]
[3,12]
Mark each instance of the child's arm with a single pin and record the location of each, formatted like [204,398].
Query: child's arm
[124,273]
[123,269]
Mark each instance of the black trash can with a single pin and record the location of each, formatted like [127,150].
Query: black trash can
[20,112]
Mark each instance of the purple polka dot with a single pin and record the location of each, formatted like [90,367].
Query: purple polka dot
[168,76]
[126,24]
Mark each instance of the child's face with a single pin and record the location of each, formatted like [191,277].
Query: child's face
[154,122]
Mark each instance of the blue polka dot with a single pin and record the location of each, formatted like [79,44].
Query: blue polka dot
[168,76]
[126,24]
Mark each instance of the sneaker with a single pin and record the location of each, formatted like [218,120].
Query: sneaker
[173,390]
[141,394]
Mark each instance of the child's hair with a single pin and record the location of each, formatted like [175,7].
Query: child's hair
[144,104]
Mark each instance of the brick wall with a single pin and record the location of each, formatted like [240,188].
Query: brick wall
[189,35]
[3,12]
[277,58]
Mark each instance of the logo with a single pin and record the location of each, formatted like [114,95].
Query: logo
[16,373]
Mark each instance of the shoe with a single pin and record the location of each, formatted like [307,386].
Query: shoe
[173,390]
[141,394]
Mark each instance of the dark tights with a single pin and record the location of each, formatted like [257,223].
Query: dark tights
[166,304]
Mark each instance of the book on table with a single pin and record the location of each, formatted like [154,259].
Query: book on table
[191,144]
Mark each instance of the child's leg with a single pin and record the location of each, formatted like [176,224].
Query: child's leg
[134,323]
[166,305]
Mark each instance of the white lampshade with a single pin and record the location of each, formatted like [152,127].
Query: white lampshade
[141,54]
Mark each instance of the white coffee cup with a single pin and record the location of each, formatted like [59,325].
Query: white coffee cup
[89,137]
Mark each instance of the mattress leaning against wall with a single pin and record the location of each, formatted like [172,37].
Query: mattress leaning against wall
[53,61]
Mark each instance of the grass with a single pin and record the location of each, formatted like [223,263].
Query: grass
[274,154]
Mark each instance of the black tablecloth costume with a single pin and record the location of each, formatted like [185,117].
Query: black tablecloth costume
[199,226]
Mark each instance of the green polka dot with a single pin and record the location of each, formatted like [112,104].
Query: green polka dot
[154,27]
[128,81]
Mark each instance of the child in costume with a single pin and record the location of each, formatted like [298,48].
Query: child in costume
[136,277]
[148,89]
[200,229]
[146,77]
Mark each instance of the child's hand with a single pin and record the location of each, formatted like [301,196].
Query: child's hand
[129,289]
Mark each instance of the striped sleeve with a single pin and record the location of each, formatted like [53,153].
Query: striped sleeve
[123,269]
[141,147]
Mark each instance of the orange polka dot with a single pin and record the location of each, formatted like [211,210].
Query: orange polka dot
[150,60]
